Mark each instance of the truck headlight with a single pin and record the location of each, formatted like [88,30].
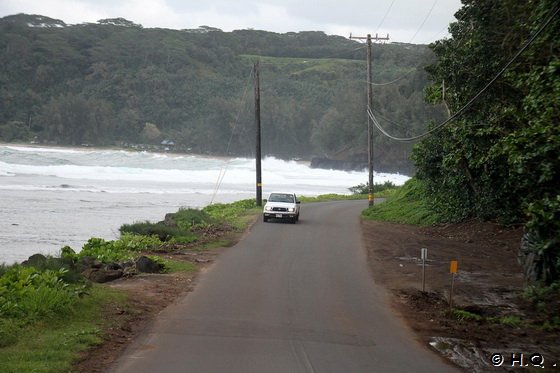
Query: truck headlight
[291,209]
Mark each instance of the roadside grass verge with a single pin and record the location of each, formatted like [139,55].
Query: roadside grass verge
[465,316]
[358,192]
[332,197]
[405,205]
[49,313]
[51,344]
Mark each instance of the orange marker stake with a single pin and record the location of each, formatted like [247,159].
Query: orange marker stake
[453,271]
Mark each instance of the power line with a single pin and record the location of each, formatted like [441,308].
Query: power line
[311,59]
[472,100]
[436,34]
[424,21]
[223,170]
[394,80]
[385,16]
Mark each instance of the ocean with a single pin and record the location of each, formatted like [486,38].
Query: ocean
[51,197]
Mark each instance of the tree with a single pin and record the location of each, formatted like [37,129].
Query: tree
[500,159]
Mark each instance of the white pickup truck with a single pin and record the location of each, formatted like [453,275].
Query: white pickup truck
[284,206]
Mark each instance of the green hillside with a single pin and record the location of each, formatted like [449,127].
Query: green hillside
[115,82]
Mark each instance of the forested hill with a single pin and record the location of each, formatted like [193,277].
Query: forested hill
[115,82]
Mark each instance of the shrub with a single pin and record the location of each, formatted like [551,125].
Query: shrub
[164,233]
[187,218]
[119,250]
[26,292]
[364,188]
[104,251]
[231,215]
[230,212]
[540,249]
[407,206]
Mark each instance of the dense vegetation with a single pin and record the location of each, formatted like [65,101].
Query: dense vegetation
[500,159]
[114,82]
[49,312]
[407,205]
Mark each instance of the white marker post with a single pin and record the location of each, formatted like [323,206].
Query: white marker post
[424,256]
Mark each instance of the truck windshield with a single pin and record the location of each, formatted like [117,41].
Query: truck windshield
[279,197]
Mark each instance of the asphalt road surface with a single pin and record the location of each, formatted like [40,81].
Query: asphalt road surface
[287,298]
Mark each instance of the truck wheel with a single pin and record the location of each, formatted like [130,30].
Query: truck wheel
[265,219]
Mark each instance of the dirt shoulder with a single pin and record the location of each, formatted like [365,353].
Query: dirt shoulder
[488,284]
[493,317]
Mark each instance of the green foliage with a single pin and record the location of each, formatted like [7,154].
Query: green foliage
[27,293]
[232,213]
[171,266]
[463,315]
[15,131]
[513,321]
[9,329]
[103,83]
[467,316]
[541,243]
[3,268]
[178,227]
[499,161]
[332,197]
[125,248]
[163,232]
[406,206]
[187,218]
[545,299]
[364,188]
[53,345]
[184,225]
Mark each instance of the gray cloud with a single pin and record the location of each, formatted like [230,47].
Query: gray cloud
[331,16]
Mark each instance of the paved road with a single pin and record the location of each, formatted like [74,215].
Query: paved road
[288,298]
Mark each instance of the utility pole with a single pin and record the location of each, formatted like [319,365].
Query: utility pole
[258,125]
[369,106]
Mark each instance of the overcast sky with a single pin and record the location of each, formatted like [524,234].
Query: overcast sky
[415,21]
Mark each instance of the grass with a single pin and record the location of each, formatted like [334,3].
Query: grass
[52,345]
[358,192]
[463,315]
[332,197]
[46,321]
[466,316]
[405,205]
[174,266]
[52,341]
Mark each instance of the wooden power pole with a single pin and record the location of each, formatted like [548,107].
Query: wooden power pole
[258,125]
[370,105]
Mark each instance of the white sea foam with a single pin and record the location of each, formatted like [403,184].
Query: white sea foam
[142,167]
[52,197]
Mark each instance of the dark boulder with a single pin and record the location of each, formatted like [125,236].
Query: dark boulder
[35,260]
[87,262]
[102,275]
[147,265]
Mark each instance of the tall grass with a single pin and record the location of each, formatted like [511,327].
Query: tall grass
[406,206]
[53,344]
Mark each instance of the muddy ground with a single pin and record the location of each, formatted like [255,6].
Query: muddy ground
[494,322]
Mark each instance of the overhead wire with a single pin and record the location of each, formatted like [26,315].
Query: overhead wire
[385,16]
[223,169]
[436,35]
[424,21]
[394,80]
[307,60]
[475,97]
